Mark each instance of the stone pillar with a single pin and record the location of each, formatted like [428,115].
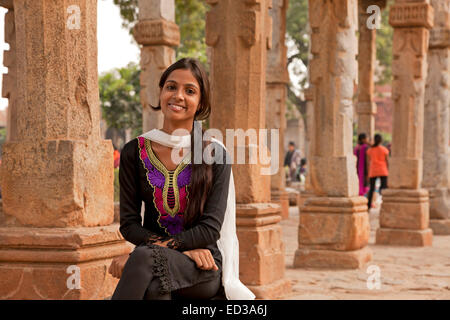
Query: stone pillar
[308,190]
[436,164]
[238,77]
[9,87]
[334,223]
[56,236]
[158,34]
[404,214]
[366,107]
[277,79]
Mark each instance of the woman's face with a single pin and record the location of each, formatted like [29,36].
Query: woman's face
[180,96]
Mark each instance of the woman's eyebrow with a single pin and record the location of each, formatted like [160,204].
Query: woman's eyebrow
[187,84]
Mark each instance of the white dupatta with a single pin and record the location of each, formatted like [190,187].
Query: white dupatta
[228,243]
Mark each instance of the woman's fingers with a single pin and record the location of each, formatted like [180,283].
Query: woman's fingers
[205,261]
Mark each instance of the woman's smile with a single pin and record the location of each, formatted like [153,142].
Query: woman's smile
[176,107]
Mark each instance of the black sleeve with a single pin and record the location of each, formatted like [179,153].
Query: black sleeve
[130,201]
[207,229]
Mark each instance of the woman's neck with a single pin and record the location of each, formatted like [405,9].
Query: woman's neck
[169,128]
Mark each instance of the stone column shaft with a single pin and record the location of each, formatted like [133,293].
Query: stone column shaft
[158,34]
[57,173]
[404,215]
[436,155]
[277,79]
[366,107]
[238,68]
[334,224]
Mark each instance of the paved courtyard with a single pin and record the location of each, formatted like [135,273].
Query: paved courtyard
[405,272]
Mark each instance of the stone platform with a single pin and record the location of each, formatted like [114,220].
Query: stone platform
[405,272]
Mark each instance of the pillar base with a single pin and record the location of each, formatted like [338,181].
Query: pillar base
[439,203]
[34,262]
[440,227]
[272,291]
[281,198]
[302,196]
[331,259]
[405,209]
[404,237]
[261,249]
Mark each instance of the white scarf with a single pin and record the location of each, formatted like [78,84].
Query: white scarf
[228,243]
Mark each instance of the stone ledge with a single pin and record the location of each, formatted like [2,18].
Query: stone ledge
[403,237]
[272,291]
[58,238]
[440,227]
[330,259]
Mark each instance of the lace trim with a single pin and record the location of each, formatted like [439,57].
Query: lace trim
[161,269]
[173,243]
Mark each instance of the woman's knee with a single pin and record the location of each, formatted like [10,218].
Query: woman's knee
[141,255]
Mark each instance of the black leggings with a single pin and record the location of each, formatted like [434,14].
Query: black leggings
[137,282]
[372,187]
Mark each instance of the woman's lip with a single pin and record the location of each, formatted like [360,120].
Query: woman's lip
[172,108]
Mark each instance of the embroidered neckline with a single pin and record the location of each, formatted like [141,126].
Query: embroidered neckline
[171,178]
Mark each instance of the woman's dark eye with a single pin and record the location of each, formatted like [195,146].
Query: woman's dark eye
[190,91]
[170,87]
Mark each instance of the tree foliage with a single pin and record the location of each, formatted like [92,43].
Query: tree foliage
[119,98]
[190,18]
[384,46]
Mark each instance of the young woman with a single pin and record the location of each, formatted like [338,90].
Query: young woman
[187,246]
[361,162]
[378,166]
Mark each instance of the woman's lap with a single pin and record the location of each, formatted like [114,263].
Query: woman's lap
[175,271]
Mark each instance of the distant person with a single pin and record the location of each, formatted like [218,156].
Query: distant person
[302,172]
[116,158]
[362,168]
[378,166]
[292,160]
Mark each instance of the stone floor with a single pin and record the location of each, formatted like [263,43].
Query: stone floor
[405,272]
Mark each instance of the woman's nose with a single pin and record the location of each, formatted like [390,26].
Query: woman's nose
[179,94]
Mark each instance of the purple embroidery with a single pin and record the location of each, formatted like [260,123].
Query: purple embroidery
[172,224]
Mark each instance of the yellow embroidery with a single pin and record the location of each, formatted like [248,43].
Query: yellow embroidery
[171,178]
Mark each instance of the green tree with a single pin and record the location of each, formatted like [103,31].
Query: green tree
[119,98]
[384,46]
[297,31]
[190,17]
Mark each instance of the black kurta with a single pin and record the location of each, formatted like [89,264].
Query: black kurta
[143,177]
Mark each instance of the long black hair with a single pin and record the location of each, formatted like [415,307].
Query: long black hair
[377,139]
[201,174]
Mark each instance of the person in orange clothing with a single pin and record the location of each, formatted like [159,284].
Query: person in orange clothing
[116,158]
[378,166]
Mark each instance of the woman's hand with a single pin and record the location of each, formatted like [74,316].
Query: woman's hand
[203,258]
[117,265]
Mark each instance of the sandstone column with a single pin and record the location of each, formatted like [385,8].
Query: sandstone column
[277,79]
[157,32]
[238,68]
[9,86]
[308,190]
[56,236]
[404,215]
[366,107]
[436,165]
[334,223]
